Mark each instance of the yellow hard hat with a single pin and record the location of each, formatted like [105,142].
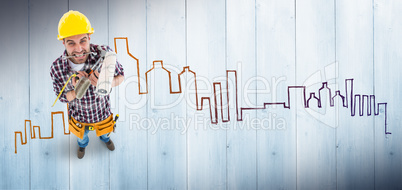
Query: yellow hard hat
[73,23]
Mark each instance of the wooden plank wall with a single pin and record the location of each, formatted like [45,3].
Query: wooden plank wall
[206,55]
[14,99]
[45,153]
[386,55]
[355,135]
[133,107]
[276,143]
[250,65]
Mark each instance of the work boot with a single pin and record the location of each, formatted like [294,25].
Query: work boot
[81,152]
[110,145]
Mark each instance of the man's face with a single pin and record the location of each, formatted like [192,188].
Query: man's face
[77,46]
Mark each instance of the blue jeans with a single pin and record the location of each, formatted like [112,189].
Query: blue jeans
[85,140]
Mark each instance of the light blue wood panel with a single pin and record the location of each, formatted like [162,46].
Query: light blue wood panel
[315,50]
[355,135]
[206,57]
[49,157]
[167,162]
[97,12]
[241,136]
[387,80]
[128,167]
[14,96]
[93,171]
[276,135]
[256,158]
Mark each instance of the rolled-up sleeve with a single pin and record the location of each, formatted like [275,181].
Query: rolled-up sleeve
[59,79]
[119,69]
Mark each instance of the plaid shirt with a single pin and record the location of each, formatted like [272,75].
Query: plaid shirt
[92,108]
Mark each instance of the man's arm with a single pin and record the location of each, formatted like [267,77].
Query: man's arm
[59,79]
[117,80]
[70,95]
[118,75]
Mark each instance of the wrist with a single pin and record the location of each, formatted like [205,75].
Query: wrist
[117,80]
[71,95]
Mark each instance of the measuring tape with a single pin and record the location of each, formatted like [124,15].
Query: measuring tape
[63,88]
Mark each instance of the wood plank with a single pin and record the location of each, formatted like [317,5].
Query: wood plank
[95,166]
[276,135]
[206,57]
[14,97]
[49,157]
[321,148]
[241,56]
[355,135]
[387,88]
[128,167]
[315,49]
[167,146]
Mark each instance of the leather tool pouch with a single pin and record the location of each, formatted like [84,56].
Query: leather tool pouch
[103,127]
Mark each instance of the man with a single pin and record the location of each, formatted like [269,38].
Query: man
[92,111]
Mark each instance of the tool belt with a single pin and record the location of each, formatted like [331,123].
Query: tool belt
[102,127]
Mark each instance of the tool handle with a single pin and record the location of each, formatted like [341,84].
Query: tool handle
[115,119]
[90,71]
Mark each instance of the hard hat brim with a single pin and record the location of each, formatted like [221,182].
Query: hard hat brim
[62,37]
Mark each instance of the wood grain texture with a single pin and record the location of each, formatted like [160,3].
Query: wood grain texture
[387,86]
[276,135]
[355,135]
[49,157]
[255,51]
[241,136]
[128,167]
[14,96]
[167,146]
[206,151]
[315,49]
